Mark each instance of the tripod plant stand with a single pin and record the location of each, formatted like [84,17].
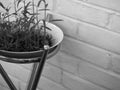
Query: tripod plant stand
[37,68]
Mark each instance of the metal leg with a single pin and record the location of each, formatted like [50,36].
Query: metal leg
[7,79]
[36,72]
[35,75]
[35,65]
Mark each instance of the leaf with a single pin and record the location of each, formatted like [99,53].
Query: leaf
[54,20]
[27,4]
[34,14]
[28,12]
[8,9]
[35,25]
[43,9]
[15,13]
[32,18]
[18,2]
[44,1]
[47,28]
[39,2]
[46,5]
[7,16]
[24,13]
[19,9]
[2,5]
[30,21]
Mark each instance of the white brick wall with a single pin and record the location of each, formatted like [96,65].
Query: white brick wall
[79,11]
[110,4]
[89,58]
[114,23]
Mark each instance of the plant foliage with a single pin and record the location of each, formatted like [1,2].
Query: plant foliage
[26,31]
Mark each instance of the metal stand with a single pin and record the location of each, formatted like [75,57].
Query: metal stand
[35,75]
[6,78]
[36,72]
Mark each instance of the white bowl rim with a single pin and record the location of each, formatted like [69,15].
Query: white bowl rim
[27,52]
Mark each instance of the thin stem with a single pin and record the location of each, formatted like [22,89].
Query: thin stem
[8,17]
[45,12]
[15,8]
[24,7]
[33,6]
[0,15]
[37,15]
[44,24]
[15,5]
[24,4]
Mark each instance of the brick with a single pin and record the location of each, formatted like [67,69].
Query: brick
[99,37]
[52,72]
[99,76]
[111,4]
[114,23]
[50,4]
[23,86]
[49,71]
[46,84]
[2,82]
[27,66]
[68,26]
[94,35]
[16,71]
[65,62]
[87,52]
[82,12]
[76,83]
[116,63]
[3,88]
[13,79]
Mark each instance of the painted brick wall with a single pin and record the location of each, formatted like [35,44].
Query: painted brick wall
[89,58]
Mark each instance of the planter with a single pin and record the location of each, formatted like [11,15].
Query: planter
[39,56]
[57,35]
[27,19]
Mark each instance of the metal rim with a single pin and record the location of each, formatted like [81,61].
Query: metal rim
[56,33]
[29,60]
